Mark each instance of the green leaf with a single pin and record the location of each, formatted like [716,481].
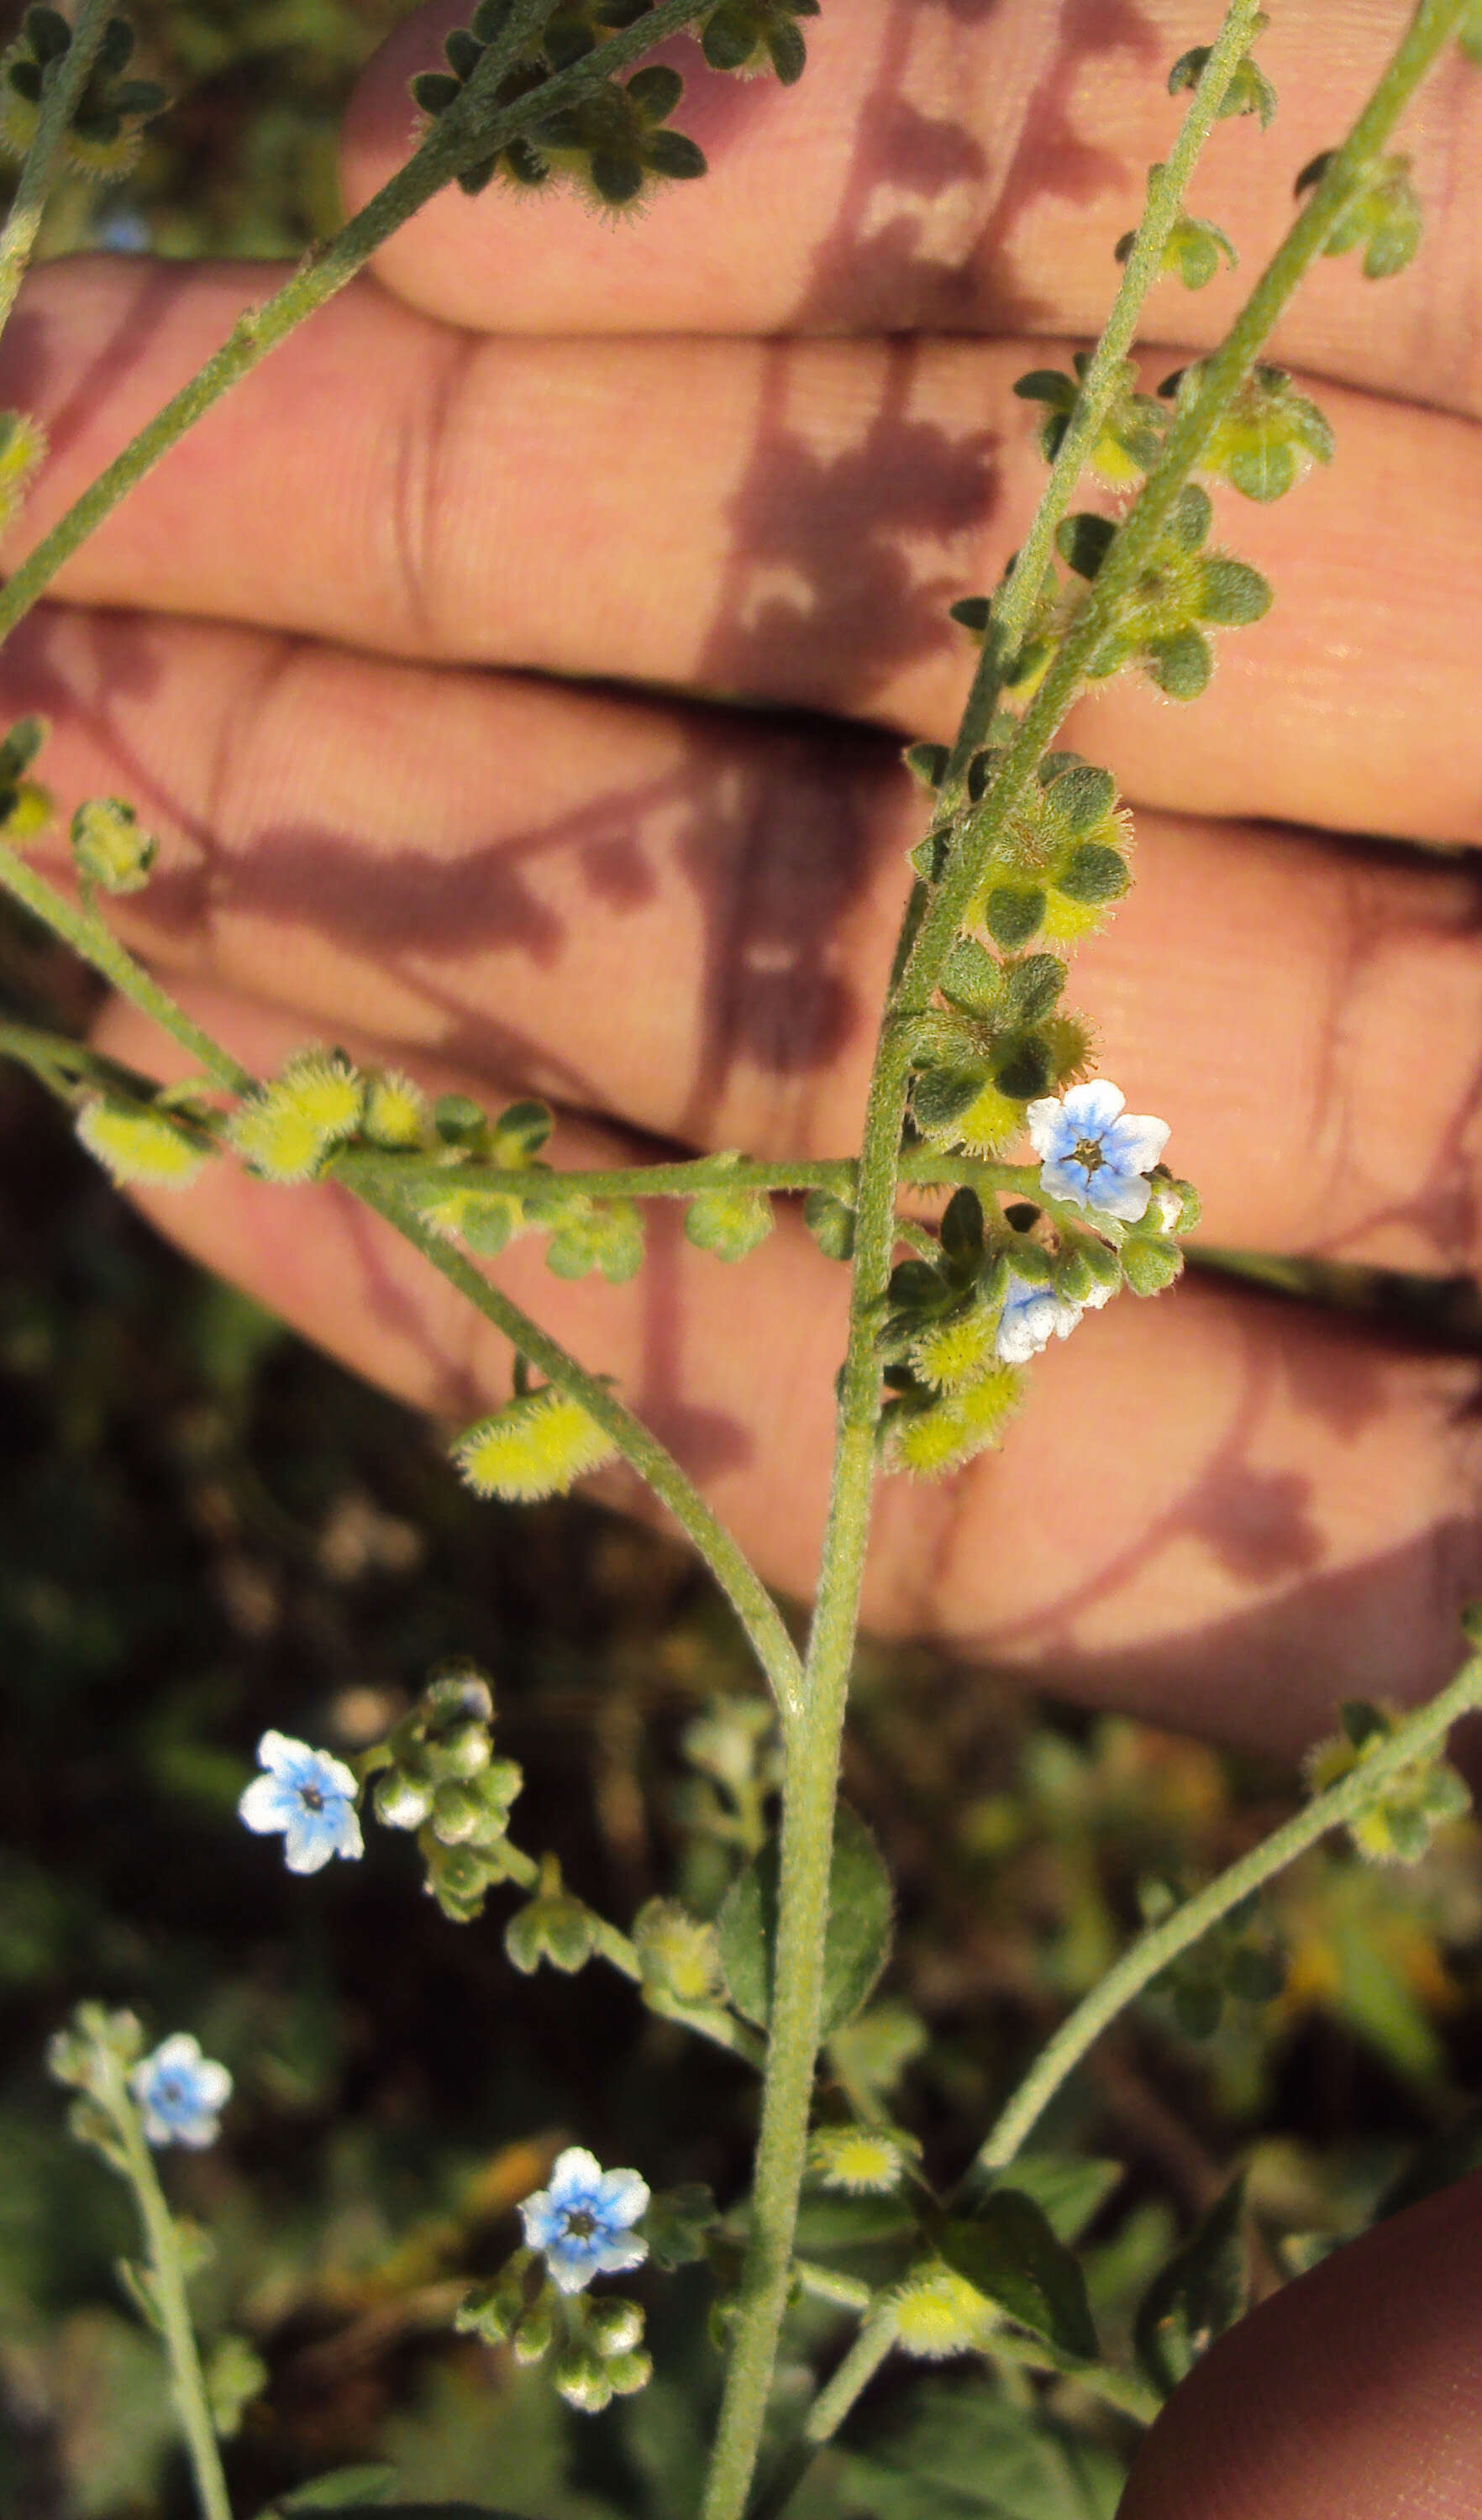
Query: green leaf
[1197,2296]
[959,2452]
[235,2375]
[727,1222]
[856,1940]
[831,1222]
[1070,2191]
[1083,541]
[1009,2252]
[341,2489]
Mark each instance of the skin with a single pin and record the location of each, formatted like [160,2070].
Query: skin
[750,451]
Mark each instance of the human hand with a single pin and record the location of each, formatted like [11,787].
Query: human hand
[753,448]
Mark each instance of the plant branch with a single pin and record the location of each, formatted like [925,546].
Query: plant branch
[1415,1738]
[1434,24]
[709,2021]
[90,936]
[733,1571]
[61,96]
[1014,602]
[465,132]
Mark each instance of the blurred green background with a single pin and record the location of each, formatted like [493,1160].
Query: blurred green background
[207,1529]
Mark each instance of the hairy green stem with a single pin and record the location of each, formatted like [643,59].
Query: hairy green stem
[1415,1738]
[752,1604]
[187,2382]
[1434,24]
[858,2369]
[813,1747]
[814,1743]
[921,1167]
[90,936]
[1167,183]
[1419,1736]
[465,133]
[61,95]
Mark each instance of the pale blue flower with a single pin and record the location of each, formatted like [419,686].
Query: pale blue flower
[1032,1315]
[581,2222]
[181,2093]
[309,1796]
[1094,1152]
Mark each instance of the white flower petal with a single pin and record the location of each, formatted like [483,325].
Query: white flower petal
[576,2173]
[618,2256]
[199,2133]
[214,2084]
[306,1848]
[1124,1195]
[622,2195]
[1062,1179]
[1091,1109]
[278,1753]
[267,1804]
[572,2277]
[1138,1141]
[1046,1125]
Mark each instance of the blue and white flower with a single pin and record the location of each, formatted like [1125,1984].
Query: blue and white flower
[1032,1316]
[181,2094]
[581,2224]
[309,1796]
[1094,1152]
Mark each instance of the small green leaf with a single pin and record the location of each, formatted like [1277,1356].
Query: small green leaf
[1013,913]
[727,1222]
[856,1941]
[1068,2191]
[831,1222]
[1084,540]
[1009,2252]
[1200,2293]
[341,2489]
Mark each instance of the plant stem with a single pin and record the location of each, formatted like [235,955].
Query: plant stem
[1433,25]
[1167,183]
[752,1604]
[854,2374]
[814,1743]
[921,1167]
[465,133]
[60,93]
[162,2242]
[1417,1738]
[92,938]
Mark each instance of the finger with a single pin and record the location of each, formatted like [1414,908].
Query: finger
[962,170]
[1352,2395]
[685,921]
[786,523]
[1213,1510]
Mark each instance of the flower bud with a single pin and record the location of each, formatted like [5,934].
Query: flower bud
[109,847]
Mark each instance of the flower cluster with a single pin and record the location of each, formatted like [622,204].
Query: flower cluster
[436,1772]
[961,1326]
